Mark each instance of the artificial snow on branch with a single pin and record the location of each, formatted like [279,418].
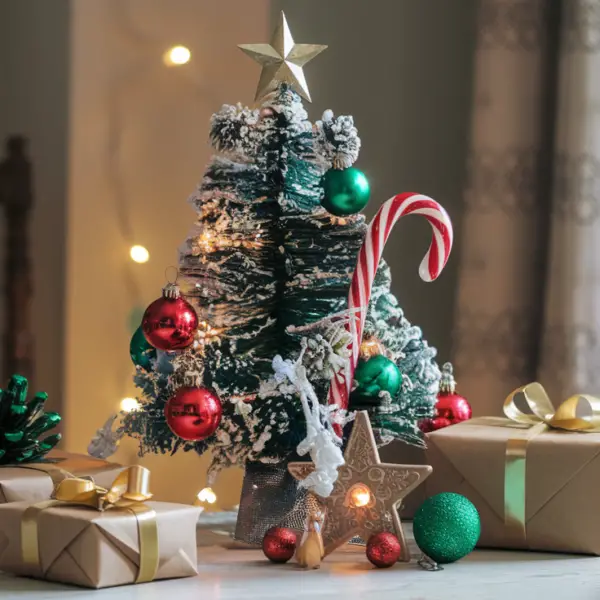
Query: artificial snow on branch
[336,140]
[233,130]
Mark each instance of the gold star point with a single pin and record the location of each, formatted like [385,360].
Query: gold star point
[387,484]
[282,61]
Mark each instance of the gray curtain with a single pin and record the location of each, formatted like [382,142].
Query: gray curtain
[528,305]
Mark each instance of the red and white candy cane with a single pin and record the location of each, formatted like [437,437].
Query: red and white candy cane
[368,261]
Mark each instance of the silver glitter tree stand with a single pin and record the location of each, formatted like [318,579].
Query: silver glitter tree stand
[270,497]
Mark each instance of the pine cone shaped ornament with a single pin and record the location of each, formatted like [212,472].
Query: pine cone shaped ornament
[22,424]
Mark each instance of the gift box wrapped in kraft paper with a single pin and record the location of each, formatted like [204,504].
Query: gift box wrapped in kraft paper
[96,538]
[33,482]
[534,477]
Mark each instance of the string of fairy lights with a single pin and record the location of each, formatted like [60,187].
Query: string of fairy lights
[175,56]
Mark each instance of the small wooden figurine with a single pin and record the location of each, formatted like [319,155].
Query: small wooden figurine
[311,551]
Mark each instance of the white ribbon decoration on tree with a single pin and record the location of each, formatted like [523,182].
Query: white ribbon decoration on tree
[321,442]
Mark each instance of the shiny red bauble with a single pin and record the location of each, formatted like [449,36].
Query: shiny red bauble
[193,414]
[170,323]
[449,411]
[453,407]
[450,407]
[383,549]
[427,425]
[279,544]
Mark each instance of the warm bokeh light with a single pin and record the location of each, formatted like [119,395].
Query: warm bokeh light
[360,496]
[139,254]
[129,404]
[207,495]
[177,55]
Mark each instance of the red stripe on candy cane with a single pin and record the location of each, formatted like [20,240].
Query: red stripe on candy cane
[366,268]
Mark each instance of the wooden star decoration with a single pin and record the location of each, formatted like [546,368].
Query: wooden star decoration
[282,61]
[386,485]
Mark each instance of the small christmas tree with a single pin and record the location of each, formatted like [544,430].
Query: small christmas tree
[264,263]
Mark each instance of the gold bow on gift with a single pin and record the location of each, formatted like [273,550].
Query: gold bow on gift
[128,492]
[543,416]
[543,412]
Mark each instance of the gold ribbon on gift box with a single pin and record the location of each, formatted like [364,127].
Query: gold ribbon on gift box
[543,417]
[55,473]
[128,492]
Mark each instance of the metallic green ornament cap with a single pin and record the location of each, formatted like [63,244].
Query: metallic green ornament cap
[347,191]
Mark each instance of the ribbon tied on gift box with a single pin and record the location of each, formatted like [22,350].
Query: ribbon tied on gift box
[543,417]
[128,492]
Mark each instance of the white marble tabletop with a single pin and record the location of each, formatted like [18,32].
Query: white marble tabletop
[347,575]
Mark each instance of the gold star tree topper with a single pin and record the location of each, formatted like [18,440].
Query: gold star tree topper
[367,492]
[282,61]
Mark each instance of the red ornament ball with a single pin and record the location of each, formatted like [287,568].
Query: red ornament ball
[383,549]
[450,407]
[279,544]
[428,425]
[453,407]
[193,414]
[440,423]
[170,322]
[449,404]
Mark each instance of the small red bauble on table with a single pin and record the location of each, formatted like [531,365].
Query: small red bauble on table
[383,549]
[170,323]
[279,544]
[450,407]
[193,413]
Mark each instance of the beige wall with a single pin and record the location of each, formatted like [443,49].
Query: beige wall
[138,147]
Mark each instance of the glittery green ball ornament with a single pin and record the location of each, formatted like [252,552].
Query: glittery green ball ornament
[373,376]
[446,527]
[347,191]
[142,353]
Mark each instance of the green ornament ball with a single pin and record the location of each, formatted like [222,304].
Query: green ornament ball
[347,191]
[446,527]
[374,375]
[142,353]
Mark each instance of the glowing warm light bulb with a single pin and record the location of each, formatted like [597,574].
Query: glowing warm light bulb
[139,254]
[207,495]
[177,55]
[361,496]
[129,405]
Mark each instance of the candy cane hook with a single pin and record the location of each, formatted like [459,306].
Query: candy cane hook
[368,261]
